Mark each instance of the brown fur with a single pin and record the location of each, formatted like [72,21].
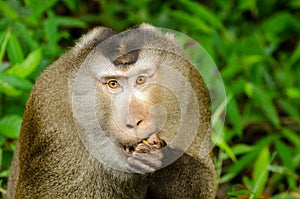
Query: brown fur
[51,161]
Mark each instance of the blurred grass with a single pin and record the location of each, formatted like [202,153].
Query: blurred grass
[254,43]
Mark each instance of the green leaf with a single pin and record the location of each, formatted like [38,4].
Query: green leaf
[4,44]
[248,183]
[2,140]
[247,159]
[8,89]
[294,4]
[10,126]
[25,68]
[247,5]
[231,68]
[14,50]
[52,34]
[293,93]
[293,137]
[237,190]
[12,85]
[285,196]
[234,116]
[16,82]
[283,171]
[243,162]
[239,149]
[260,171]
[4,66]
[8,11]
[70,22]
[290,108]
[203,13]
[38,8]
[4,174]
[220,110]
[221,143]
[1,154]
[264,101]
[250,60]
[249,89]
[278,23]
[285,154]
[266,140]
[227,177]
[193,22]
[29,37]
[71,4]
[295,55]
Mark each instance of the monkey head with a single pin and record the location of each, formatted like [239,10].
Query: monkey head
[133,94]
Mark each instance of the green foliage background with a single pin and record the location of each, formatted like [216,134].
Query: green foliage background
[255,44]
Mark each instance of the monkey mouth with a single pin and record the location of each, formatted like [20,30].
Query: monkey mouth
[145,145]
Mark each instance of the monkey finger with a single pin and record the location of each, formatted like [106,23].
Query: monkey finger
[150,159]
[142,148]
[154,139]
[153,159]
[137,166]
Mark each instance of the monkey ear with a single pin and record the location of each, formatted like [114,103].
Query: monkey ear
[171,37]
[146,25]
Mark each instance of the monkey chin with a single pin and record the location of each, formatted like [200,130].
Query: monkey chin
[144,146]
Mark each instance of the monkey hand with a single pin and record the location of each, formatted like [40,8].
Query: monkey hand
[145,159]
[147,156]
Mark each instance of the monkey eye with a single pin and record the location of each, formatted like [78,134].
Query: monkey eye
[113,84]
[141,79]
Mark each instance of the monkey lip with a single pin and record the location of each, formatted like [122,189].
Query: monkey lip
[145,145]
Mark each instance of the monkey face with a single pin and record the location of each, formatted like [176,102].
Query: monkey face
[139,104]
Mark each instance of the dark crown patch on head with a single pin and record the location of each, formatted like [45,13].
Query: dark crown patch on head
[127,58]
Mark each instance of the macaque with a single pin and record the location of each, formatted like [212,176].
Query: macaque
[120,115]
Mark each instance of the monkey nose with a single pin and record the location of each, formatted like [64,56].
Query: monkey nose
[132,125]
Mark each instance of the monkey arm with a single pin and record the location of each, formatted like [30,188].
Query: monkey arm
[190,180]
[47,100]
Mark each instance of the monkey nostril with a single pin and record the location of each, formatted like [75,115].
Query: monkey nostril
[139,122]
[129,126]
